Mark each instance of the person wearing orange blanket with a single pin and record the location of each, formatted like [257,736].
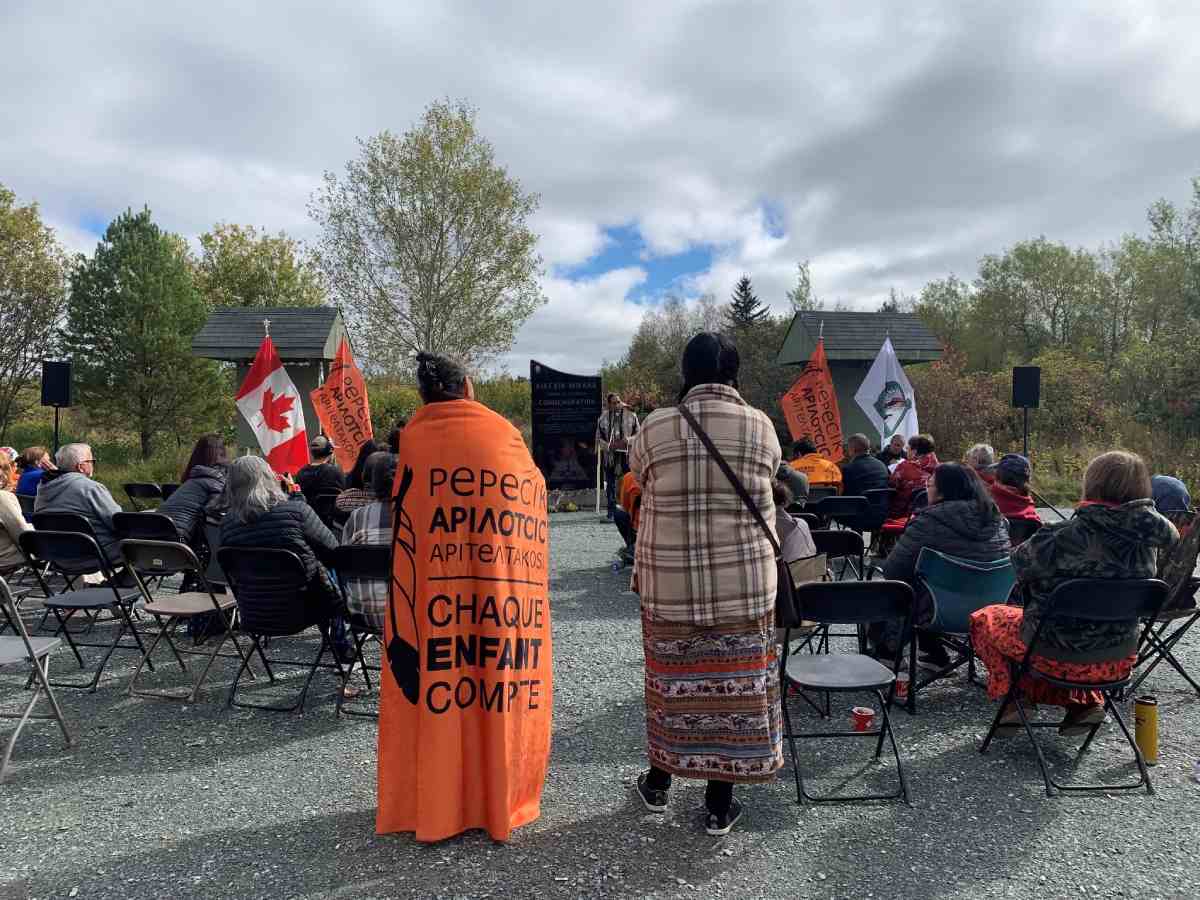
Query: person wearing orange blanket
[464,720]
[820,469]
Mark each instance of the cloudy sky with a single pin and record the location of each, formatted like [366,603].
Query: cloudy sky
[675,145]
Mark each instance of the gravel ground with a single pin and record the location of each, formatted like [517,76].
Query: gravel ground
[162,799]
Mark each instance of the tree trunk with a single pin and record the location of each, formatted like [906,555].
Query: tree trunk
[147,444]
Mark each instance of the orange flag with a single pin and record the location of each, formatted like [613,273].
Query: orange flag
[464,721]
[342,407]
[811,408]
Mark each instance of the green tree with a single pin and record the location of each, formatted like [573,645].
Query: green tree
[239,266]
[801,297]
[425,243]
[745,309]
[32,298]
[131,314]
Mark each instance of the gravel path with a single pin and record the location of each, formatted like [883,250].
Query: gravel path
[162,799]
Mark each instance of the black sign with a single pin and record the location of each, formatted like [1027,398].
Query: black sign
[565,411]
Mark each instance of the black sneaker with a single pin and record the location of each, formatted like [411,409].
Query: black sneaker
[653,800]
[718,826]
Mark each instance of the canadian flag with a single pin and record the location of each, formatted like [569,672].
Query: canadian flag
[270,402]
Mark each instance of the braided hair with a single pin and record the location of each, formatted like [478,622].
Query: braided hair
[440,378]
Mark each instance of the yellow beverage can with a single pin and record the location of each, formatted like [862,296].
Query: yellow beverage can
[1145,719]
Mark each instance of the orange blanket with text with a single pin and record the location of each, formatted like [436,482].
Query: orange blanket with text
[464,724]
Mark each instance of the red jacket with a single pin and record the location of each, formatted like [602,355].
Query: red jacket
[1013,504]
[910,476]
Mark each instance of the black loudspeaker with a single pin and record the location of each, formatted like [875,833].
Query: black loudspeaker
[1027,386]
[56,383]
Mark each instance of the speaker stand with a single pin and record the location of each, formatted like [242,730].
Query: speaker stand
[1025,409]
[56,430]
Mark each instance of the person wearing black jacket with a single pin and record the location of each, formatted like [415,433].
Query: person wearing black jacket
[201,488]
[961,520]
[863,472]
[262,515]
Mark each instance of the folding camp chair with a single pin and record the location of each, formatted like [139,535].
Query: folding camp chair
[35,651]
[142,493]
[846,603]
[270,587]
[1159,640]
[159,560]
[956,588]
[369,562]
[72,554]
[1094,600]
[1021,530]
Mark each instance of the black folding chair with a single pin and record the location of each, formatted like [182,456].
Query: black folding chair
[36,653]
[845,512]
[27,502]
[1021,530]
[150,559]
[72,554]
[213,571]
[270,587]
[142,493]
[847,546]
[818,493]
[168,489]
[367,562]
[144,526]
[325,506]
[1095,600]
[846,603]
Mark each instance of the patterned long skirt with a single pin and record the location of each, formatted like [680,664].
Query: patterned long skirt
[996,635]
[712,699]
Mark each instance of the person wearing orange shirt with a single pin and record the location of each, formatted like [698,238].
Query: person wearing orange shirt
[629,515]
[820,469]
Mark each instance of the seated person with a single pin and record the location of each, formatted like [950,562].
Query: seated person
[1010,488]
[795,538]
[863,472]
[12,522]
[982,458]
[321,480]
[358,492]
[961,520]
[372,524]
[34,462]
[911,475]
[71,489]
[797,483]
[893,452]
[202,485]
[1115,533]
[628,516]
[1171,499]
[820,469]
[262,515]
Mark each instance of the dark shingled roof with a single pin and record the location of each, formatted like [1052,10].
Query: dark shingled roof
[858,336]
[298,332]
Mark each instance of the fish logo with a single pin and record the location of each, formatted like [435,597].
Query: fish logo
[893,405]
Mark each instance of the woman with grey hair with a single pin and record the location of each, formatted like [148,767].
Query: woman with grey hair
[982,458]
[262,515]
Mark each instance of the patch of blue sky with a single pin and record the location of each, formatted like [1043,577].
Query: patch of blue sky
[93,223]
[624,247]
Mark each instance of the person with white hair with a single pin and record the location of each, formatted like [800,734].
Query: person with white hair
[73,489]
[982,458]
[262,515]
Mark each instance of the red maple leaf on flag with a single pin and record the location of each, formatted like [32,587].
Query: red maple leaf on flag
[275,409]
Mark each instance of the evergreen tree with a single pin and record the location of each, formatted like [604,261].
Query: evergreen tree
[745,309]
[131,314]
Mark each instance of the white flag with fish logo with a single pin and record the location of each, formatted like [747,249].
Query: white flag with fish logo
[887,397]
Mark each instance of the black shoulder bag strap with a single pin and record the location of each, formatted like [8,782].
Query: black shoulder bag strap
[785,606]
